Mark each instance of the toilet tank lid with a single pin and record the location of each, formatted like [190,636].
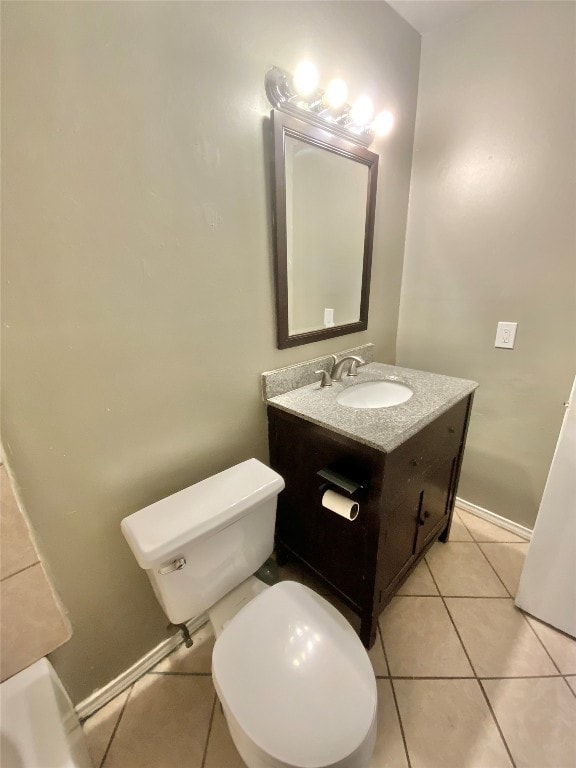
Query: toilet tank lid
[160,530]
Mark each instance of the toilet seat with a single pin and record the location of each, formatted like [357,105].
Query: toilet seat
[295,680]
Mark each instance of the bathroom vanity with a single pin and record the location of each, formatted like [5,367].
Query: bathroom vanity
[400,463]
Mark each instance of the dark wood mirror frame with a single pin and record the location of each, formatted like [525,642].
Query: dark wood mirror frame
[284,126]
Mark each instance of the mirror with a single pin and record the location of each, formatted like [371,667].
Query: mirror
[324,211]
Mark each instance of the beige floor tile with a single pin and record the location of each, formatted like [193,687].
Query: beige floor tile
[376,654]
[389,750]
[482,530]
[537,718]
[165,723]
[461,570]
[197,659]
[448,724]
[420,582]
[458,531]
[498,639]
[221,751]
[561,647]
[571,680]
[16,548]
[420,640]
[33,624]
[508,561]
[98,729]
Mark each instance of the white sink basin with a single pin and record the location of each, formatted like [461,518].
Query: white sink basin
[375,394]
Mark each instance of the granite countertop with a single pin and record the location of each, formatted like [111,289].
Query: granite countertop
[381,428]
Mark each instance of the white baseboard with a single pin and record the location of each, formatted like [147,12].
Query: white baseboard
[102,696]
[492,517]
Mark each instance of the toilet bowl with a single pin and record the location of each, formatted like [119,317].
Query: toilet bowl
[295,683]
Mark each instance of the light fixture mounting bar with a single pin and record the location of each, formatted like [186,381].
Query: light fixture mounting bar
[278,84]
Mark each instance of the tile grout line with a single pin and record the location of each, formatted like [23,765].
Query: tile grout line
[183,674]
[497,724]
[573,692]
[473,676]
[487,700]
[512,597]
[507,596]
[20,570]
[113,734]
[395,698]
[540,641]
[209,733]
[457,597]
[480,597]
[494,569]
[432,577]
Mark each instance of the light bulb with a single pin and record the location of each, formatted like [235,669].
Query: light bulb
[362,110]
[305,78]
[383,123]
[336,93]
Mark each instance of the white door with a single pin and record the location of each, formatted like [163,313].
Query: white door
[548,584]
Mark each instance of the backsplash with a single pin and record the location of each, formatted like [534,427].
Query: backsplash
[283,380]
[33,623]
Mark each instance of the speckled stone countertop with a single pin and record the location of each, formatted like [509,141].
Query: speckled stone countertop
[381,428]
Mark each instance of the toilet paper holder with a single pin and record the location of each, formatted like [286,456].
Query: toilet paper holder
[334,479]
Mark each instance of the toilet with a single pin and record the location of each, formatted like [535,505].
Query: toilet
[296,685]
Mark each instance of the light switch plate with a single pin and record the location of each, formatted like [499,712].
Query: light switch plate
[505,335]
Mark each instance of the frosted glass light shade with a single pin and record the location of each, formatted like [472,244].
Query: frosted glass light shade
[305,80]
[336,93]
[362,110]
[383,123]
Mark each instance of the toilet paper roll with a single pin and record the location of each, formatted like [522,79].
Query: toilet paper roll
[340,504]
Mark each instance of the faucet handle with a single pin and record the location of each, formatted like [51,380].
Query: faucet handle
[326,381]
[356,361]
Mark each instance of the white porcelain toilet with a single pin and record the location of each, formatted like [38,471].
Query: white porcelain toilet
[295,683]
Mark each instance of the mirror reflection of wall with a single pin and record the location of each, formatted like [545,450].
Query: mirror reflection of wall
[325,228]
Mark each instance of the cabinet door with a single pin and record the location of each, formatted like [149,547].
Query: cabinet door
[437,443]
[435,501]
[400,536]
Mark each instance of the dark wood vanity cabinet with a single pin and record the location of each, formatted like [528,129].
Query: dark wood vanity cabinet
[405,501]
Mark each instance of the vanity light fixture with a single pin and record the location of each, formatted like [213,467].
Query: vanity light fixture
[299,96]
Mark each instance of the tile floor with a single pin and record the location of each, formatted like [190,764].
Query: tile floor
[464,678]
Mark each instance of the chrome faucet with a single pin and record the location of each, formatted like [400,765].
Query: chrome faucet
[338,366]
[326,380]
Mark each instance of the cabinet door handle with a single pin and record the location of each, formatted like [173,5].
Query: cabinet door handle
[425,516]
[451,430]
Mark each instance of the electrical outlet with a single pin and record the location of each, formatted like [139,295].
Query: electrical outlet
[328,318]
[505,335]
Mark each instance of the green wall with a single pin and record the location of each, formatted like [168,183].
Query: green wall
[138,302]
[492,236]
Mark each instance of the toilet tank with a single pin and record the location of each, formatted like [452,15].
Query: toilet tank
[203,541]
